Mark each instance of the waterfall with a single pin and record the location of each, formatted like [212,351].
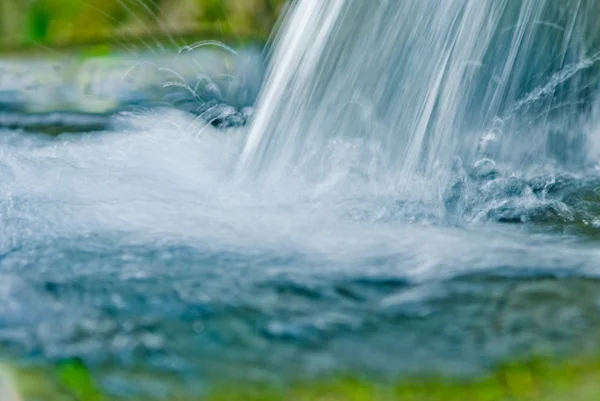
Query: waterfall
[418,82]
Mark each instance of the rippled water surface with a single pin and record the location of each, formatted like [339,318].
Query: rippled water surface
[145,245]
[434,206]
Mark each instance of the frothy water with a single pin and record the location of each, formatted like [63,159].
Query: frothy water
[418,83]
[115,243]
[361,222]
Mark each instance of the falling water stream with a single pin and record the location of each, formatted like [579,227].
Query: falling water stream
[418,191]
[419,81]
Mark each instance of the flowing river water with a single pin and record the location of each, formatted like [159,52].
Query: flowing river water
[417,191]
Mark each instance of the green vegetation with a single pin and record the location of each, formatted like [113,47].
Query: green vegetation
[531,381]
[42,24]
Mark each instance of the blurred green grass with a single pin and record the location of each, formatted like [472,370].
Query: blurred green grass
[51,24]
[533,380]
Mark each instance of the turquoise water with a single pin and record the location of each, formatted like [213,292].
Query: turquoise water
[140,246]
[178,238]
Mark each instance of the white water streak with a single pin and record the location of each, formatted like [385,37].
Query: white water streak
[415,81]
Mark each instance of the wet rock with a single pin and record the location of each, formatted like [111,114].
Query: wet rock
[222,115]
[54,122]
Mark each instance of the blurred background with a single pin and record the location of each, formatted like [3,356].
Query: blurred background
[88,59]
[55,24]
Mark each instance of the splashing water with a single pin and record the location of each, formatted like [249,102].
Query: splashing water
[418,82]
[375,115]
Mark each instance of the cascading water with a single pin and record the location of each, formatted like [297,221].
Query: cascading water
[418,83]
[153,245]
